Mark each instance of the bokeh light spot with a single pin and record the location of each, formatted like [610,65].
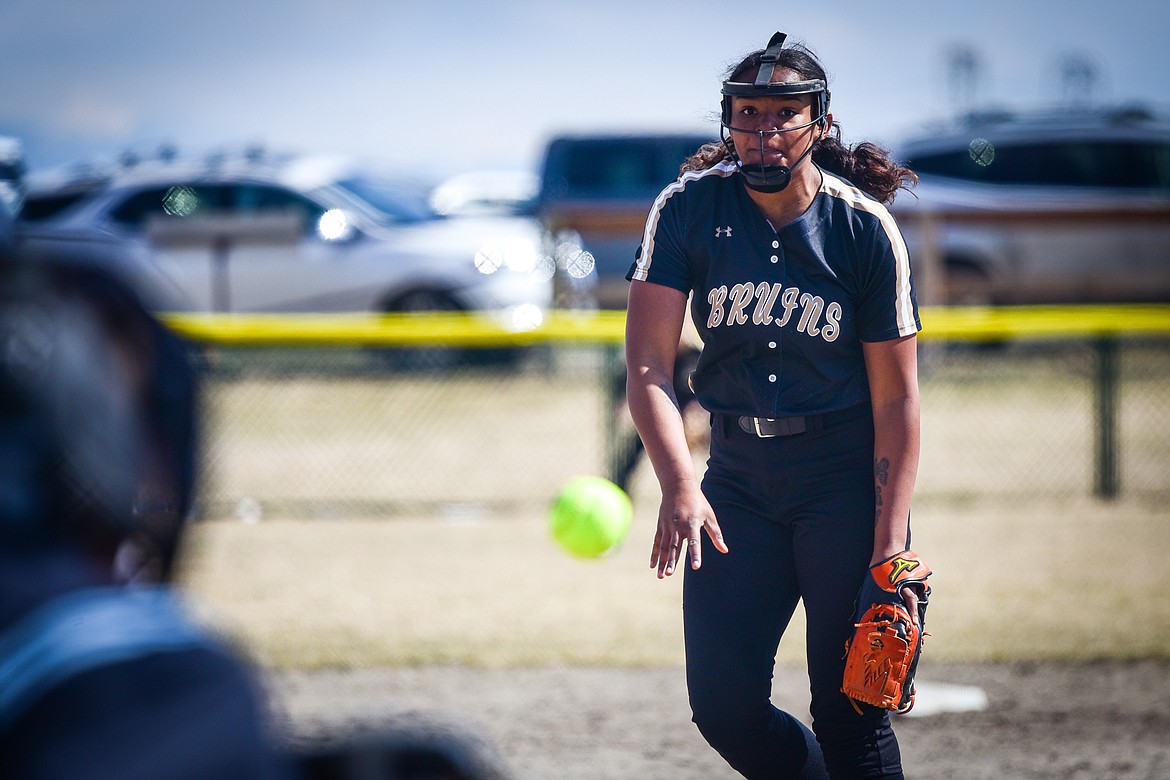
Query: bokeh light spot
[489,259]
[180,202]
[982,151]
[333,225]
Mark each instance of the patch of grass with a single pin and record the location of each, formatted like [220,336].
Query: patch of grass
[1041,581]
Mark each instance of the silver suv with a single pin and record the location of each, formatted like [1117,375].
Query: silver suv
[257,233]
[1048,207]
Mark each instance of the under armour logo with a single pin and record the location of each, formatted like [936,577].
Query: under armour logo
[723,232]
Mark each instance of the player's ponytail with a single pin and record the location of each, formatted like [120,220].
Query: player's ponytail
[707,156]
[868,166]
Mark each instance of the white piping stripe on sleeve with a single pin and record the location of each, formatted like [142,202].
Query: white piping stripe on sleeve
[903,302]
[642,270]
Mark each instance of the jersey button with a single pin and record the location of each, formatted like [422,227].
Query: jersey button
[771,377]
[771,345]
[775,244]
[775,259]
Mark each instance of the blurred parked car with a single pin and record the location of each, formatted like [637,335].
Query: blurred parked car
[12,170]
[1042,207]
[595,194]
[6,218]
[486,192]
[11,187]
[258,233]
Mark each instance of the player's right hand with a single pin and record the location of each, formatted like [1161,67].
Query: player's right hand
[682,518]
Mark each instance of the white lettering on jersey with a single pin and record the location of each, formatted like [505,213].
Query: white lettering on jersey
[765,299]
[832,327]
[789,302]
[716,298]
[742,295]
[811,308]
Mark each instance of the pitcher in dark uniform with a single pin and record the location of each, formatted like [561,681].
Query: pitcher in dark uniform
[802,292]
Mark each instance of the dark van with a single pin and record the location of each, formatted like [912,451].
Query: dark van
[598,189]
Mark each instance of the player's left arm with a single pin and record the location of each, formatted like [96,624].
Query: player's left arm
[892,367]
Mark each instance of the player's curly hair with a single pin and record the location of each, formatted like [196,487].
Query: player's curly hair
[868,166]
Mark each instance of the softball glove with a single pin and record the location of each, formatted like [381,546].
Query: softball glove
[882,654]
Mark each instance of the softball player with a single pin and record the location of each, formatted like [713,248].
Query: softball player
[802,293]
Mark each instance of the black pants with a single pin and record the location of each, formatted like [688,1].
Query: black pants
[797,513]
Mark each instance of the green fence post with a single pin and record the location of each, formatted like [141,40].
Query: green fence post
[611,400]
[620,443]
[1106,429]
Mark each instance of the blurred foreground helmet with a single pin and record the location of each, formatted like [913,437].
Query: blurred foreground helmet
[97,416]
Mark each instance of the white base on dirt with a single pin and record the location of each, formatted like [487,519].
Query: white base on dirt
[933,698]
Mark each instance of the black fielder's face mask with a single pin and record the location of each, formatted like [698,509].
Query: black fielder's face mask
[760,176]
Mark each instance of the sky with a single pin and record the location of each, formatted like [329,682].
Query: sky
[438,88]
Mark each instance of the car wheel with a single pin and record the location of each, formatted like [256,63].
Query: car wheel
[421,358]
[438,359]
[967,285]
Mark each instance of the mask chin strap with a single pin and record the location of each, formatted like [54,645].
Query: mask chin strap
[768,178]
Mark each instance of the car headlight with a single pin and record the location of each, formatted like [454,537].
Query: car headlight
[334,225]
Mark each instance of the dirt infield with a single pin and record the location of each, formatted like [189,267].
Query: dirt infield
[560,668]
[1067,721]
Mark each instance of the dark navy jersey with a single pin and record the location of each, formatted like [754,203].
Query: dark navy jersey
[782,313]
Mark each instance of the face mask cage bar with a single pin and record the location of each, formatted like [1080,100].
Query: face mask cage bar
[814,87]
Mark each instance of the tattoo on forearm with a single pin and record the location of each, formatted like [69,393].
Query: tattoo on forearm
[881,473]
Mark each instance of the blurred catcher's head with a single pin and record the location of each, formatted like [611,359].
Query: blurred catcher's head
[758,76]
[97,417]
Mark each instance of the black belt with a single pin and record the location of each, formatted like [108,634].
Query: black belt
[770,427]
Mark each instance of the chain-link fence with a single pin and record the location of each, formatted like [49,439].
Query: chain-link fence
[342,432]
[1046,420]
[435,481]
[336,433]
